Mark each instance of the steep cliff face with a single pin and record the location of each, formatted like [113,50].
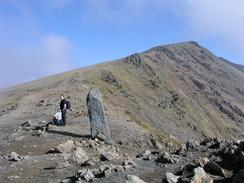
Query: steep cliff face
[180,90]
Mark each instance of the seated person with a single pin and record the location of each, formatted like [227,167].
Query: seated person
[57,119]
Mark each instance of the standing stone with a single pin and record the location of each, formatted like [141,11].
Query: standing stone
[99,124]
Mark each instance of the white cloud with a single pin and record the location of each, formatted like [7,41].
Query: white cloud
[56,53]
[222,19]
[26,51]
[49,56]
[122,11]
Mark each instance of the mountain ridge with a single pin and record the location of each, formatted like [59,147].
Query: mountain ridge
[240,67]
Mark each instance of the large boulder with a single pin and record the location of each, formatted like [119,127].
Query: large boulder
[134,179]
[171,178]
[99,124]
[200,176]
[65,147]
[80,156]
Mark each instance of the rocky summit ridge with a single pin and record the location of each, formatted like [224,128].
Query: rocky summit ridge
[157,104]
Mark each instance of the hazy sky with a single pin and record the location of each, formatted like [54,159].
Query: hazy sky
[44,37]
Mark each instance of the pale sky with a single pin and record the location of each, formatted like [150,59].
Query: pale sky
[40,37]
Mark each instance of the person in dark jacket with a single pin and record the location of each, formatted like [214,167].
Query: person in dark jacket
[63,107]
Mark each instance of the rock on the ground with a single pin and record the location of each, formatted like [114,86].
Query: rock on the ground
[109,156]
[129,161]
[109,153]
[26,124]
[168,158]
[200,176]
[108,172]
[65,147]
[97,172]
[39,133]
[118,168]
[66,181]
[146,155]
[80,156]
[14,157]
[214,169]
[134,179]
[13,177]
[192,144]
[128,164]
[171,178]
[90,162]
[88,176]
[85,174]
[203,161]
[98,120]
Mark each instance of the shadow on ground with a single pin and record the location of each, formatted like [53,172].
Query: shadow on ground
[68,134]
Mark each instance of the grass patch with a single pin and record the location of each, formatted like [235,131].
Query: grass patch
[155,132]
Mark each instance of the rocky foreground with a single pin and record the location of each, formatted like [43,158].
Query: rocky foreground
[97,158]
[92,160]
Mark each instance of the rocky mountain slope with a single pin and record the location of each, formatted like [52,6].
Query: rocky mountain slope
[237,66]
[168,94]
[165,90]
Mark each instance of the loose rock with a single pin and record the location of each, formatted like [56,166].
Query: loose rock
[134,179]
[214,169]
[85,174]
[109,153]
[168,158]
[26,124]
[14,157]
[171,178]
[65,147]
[200,176]
[191,144]
[80,156]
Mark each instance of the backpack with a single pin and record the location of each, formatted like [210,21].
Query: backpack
[68,105]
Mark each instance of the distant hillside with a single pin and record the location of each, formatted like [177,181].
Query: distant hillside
[237,66]
[181,91]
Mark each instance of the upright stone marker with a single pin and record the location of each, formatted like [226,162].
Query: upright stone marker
[99,124]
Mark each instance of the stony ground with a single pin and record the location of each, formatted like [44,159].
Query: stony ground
[33,143]
[33,152]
